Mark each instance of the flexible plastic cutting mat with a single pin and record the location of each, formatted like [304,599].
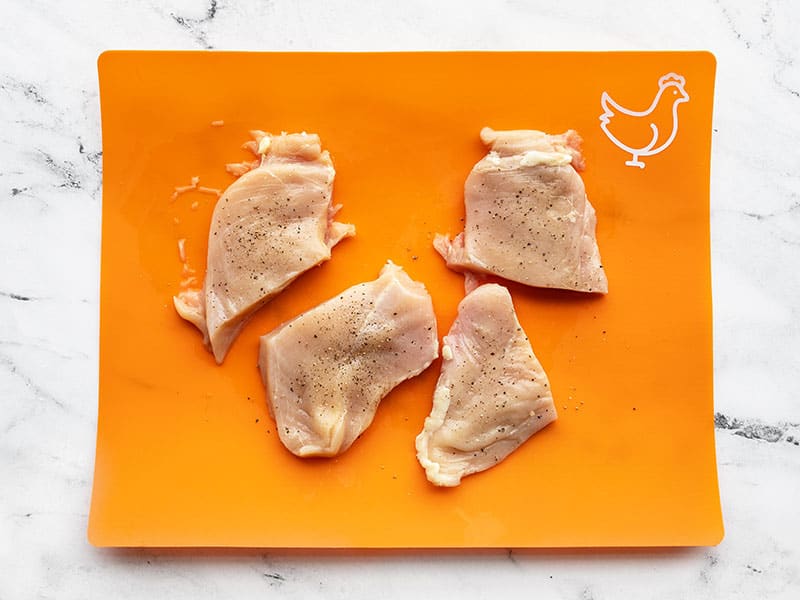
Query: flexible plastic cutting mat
[187,454]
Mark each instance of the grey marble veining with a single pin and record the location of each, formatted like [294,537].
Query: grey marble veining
[50,182]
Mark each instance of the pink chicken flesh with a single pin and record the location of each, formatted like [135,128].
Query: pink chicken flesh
[327,370]
[527,215]
[492,394]
[271,225]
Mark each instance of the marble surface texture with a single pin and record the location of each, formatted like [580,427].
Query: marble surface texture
[50,199]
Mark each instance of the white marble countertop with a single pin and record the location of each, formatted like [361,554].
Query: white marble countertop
[50,182]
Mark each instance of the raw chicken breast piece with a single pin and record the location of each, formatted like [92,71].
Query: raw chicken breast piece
[327,370]
[271,225]
[527,215]
[492,394]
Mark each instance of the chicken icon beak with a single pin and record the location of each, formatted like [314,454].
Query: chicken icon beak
[684,97]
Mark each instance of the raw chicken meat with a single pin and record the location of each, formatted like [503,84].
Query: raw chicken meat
[271,225]
[327,370]
[492,394]
[527,215]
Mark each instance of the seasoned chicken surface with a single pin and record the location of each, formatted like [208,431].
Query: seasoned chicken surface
[269,226]
[527,215]
[492,394]
[327,370]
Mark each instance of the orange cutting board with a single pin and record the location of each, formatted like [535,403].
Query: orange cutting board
[187,454]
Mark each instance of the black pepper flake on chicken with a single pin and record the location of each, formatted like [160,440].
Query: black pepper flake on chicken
[272,224]
[486,360]
[327,370]
[527,215]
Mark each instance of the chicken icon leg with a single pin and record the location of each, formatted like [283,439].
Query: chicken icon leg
[635,154]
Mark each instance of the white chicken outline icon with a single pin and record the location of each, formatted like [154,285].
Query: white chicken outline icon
[670,81]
